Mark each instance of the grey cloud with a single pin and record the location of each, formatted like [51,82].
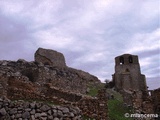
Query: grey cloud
[148,53]
[88,27]
[153,83]
[14,38]
[9,30]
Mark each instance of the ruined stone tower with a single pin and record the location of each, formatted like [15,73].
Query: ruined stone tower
[127,74]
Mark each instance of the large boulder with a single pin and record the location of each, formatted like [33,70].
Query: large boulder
[50,57]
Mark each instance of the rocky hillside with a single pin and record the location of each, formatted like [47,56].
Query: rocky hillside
[23,79]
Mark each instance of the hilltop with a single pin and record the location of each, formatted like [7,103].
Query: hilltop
[49,79]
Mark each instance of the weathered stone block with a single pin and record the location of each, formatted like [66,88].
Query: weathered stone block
[50,57]
[3,111]
[45,108]
[26,115]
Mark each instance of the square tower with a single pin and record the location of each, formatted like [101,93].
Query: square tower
[127,74]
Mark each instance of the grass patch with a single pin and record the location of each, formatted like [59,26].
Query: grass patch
[93,89]
[116,108]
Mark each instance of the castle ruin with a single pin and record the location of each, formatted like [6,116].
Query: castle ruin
[127,74]
[129,81]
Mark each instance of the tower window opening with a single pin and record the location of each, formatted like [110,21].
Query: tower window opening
[127,70]
[121,59]
[130,59]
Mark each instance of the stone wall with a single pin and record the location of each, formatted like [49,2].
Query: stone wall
[20,110]
[127,97]
[61,96]
[155,94]
[3,86]
[40,74]
[142,103]
[39,80]
[95,107]
[22,88]
[19,88]
[146,103]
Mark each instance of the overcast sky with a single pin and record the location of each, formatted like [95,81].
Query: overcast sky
[90,33]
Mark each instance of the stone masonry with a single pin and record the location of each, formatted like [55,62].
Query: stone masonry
[129,81]
[37,74]
[127,77]
[128,74]
[21,110]
[39,80]
[95,107]
[155,95]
